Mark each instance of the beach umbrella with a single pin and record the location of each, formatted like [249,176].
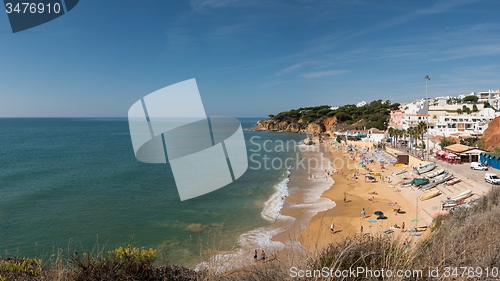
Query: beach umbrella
[379,213]
[361,163]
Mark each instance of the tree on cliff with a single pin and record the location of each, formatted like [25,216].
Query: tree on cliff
[445,142]
[472,99]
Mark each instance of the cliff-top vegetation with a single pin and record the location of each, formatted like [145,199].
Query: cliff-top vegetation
[375,114]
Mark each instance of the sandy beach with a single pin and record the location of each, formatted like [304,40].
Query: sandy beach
[314,233]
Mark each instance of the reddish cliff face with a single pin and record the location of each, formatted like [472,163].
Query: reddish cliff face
[491,136]
[328,126]
[272,125]
[330,123]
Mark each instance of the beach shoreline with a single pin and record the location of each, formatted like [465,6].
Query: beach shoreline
[312,203]
[347,217]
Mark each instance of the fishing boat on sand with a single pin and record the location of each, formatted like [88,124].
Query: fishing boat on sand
[431,175]
[453,181]
[462,195]
[424,169]
[440,177]
[399,172]
[436,182]
[429,195]
[448,205]
[419,181]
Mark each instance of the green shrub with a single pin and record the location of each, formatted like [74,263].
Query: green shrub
[120,264]
[13,268]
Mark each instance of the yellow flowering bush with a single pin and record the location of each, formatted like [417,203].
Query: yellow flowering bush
[134,254]
[123,263]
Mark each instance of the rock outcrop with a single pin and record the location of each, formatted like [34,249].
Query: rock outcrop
[273,125]
[296,127]
[491,135]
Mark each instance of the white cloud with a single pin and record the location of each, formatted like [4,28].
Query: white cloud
[292,68]
[319,74]
[203,5]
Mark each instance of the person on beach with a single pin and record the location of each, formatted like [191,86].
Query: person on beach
[361,231]
[403,227]
[363,212]
[332,227]
[262,256]
[255,255]
[345,198]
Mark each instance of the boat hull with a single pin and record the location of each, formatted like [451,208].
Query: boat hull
[452,182]
[429,195]
[426,168]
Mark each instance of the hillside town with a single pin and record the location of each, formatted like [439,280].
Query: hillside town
[450,125]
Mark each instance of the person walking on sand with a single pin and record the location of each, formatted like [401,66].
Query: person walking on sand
[332,227]
[255,255]
[345,198]
[361,231]
[363,212]
[263,256]
[403,227]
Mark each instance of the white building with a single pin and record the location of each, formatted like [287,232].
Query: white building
[416,107]
[474,124]
[492,97]
[413,119]
[440,101]
[334,107]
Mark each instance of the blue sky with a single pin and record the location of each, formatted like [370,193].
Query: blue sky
[250,57]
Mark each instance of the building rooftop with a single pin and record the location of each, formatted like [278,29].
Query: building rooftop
[458,148]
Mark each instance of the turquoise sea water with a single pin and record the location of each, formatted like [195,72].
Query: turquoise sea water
[72,180]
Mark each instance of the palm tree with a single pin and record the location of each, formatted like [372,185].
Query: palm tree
[391,132]
[405,134]
[396,134]
[411,132]
[400,134]
[422,129]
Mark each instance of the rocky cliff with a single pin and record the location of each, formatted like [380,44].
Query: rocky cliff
[325,126]
[327,119]
[491,136]
[328,126]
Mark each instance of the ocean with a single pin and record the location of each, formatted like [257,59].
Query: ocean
[72,183]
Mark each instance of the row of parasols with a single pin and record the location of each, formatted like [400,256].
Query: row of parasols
[447,156]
